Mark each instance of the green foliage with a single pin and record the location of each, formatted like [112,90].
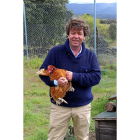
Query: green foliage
[33,62]
[107,85]
[90,22]
[104,37]
[105,21]
[99,105]
[41,134]
[104,71]
[46,22]
[112,31]
[103,30]
[37,1]
[107,66]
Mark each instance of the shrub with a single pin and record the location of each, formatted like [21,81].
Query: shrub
[112,31]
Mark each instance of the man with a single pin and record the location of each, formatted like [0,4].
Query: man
[83,71]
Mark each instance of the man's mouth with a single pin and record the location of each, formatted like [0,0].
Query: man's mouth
[75,41]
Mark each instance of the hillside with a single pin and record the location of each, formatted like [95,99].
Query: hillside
[103,10]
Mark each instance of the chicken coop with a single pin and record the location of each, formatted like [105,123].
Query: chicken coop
[105,124]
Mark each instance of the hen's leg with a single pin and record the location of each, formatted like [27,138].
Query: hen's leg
[70,87]
[60,100]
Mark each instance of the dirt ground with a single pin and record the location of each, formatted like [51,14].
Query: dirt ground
[92,136]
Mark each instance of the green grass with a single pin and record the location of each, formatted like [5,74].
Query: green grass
[37,103]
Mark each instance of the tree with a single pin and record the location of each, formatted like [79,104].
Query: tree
[112,31]
[35,1]
[90,22]
[46,23]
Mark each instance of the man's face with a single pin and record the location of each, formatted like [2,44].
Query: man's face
[76,37]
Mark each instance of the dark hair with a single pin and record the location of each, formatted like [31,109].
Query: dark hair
[77,23]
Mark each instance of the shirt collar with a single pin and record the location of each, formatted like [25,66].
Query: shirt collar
[78,53]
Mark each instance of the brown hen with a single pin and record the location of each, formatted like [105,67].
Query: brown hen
[57,92]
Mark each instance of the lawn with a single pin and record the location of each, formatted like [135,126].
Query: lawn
[37,102]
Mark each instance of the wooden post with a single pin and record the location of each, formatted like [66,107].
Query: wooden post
[97,130]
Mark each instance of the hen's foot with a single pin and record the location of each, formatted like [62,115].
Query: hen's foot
[70,89]
[60,100]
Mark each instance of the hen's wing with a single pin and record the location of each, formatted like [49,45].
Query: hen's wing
[57,73]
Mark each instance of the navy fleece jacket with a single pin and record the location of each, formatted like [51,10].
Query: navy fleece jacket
[85,68]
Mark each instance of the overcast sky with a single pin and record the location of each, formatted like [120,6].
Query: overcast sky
[91,1]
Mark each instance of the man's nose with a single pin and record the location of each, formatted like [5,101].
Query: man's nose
[76,36]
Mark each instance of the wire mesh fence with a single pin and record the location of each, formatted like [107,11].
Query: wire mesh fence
[46,22]
[45,27]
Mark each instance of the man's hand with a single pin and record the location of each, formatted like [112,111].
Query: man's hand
[62,82]
[69,75]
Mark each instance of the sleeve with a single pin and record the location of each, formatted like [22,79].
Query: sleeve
[50,60]
[90,78]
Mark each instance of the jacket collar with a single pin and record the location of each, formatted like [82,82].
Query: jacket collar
[68,48]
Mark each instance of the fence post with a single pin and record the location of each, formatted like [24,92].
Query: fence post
[95,25]
[25,29]
[97,41]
